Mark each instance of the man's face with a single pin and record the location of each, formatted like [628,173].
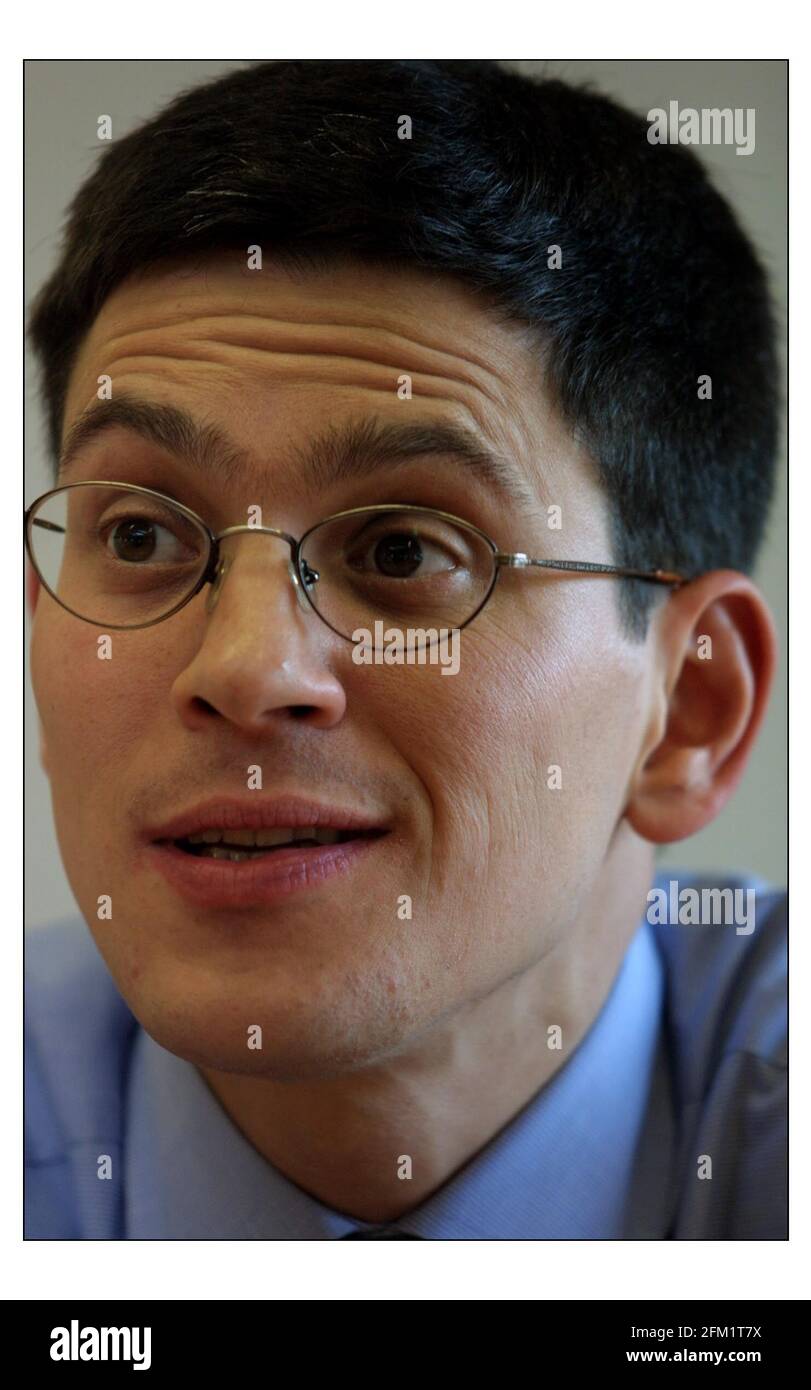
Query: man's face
[497,862]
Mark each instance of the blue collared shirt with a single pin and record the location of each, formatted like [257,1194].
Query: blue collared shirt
[668,1120]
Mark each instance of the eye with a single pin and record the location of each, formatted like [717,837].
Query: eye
[137,539]
[400,554]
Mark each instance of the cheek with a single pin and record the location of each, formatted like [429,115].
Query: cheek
[98,720]
[523,755]
[92,708]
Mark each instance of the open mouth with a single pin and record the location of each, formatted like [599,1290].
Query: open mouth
[238,846]
[233,853]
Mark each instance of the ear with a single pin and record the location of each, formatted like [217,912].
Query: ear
[717,653]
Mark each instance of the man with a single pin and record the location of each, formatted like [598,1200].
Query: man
[375,949]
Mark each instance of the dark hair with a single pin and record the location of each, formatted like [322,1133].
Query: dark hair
[658,284]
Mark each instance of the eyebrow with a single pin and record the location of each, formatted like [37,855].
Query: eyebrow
[338,453]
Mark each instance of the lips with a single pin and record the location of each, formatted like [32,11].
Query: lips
[241,852]
[261,813]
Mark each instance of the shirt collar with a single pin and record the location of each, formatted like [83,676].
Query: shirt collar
[561,1169]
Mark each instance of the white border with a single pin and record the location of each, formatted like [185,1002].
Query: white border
[465,1270]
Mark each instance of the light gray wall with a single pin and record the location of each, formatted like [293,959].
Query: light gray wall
[64,100]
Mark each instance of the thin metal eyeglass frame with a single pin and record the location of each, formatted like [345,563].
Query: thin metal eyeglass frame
[211,570]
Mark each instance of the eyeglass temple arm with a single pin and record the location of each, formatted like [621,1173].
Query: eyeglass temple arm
[521,561]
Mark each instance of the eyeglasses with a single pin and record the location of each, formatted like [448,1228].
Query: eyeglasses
[121,556]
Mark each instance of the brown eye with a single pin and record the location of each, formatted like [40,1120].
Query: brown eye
[398,555]
[137,539]
[133,539]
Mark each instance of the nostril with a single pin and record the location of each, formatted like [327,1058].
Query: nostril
[201,706]
[302,711]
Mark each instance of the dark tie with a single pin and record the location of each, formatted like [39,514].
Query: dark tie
[380,1233]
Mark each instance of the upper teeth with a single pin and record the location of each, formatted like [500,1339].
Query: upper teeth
[276,836]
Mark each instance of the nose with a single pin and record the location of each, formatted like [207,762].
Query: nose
[264,652]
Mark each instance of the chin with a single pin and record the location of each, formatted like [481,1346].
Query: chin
[311,1042]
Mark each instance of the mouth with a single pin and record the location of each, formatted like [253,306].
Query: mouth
[241,854]
[238,846]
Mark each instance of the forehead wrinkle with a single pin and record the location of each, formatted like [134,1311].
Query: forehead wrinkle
[239,319]
[311,339]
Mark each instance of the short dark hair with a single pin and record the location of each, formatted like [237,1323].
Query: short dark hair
[658,284]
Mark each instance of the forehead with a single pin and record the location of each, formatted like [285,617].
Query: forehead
[368,315]
[282,352]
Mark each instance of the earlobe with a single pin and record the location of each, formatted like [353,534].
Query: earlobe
[718,653]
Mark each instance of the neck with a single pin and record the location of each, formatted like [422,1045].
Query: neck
[427,1111]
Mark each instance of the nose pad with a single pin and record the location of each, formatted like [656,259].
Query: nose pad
[217,582]
[291,570]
